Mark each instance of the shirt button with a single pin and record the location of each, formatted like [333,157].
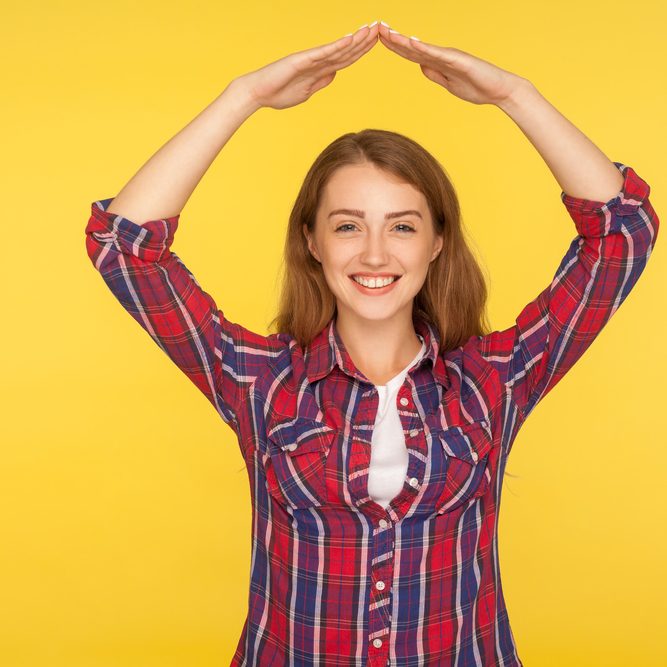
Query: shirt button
[291,447]
[404,401]
[414,433]
[474,456]
[377,643]
[380,585]
[383,523]
[414,481]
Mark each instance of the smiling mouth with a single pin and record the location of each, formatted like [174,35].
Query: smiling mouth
[375,283]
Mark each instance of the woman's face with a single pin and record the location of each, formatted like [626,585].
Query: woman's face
[369,223]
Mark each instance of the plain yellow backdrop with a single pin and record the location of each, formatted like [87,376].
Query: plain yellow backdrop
[124,502]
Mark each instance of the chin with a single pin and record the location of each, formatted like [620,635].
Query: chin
[373,314]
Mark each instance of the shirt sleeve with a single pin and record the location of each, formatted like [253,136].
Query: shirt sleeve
[600,267]
[151,282]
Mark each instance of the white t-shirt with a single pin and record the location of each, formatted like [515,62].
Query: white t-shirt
[389,456]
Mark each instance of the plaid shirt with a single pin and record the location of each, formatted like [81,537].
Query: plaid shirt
[335,578]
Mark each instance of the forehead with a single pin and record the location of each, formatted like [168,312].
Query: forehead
[368,186]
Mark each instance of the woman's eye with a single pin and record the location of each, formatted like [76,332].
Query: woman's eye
[348,224]
[407,227]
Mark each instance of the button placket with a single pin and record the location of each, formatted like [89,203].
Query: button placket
[413,430]
[381,574]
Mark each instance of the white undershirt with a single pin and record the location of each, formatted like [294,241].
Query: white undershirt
[389,456]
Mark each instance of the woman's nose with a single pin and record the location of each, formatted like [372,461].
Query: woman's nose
[375,249]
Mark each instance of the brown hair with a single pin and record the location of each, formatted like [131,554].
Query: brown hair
[453,297]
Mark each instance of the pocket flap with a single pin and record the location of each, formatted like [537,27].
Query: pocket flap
[300,436]
[469,442]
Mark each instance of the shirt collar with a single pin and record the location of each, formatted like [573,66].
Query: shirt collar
[327,350]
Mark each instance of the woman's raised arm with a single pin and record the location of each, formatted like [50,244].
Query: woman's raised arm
[608,202]
[129,237]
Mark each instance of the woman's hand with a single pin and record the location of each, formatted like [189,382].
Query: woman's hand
[462,74]
[294,78]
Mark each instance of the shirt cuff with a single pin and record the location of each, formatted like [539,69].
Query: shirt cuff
[590,216]
[149,241]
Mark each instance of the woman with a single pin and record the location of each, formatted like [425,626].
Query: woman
[376,424]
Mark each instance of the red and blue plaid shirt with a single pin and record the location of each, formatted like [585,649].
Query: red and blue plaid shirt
[335,578]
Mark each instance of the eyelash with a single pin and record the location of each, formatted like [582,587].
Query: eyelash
[346,224]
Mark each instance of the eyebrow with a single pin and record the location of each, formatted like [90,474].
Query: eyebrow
[361,214]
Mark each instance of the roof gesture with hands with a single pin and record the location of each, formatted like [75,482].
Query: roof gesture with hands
[294,78]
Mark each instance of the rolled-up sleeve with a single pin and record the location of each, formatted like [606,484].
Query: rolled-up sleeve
[153,285]
[601,266]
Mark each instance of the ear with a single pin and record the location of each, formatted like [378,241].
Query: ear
[437,246]
[311,244]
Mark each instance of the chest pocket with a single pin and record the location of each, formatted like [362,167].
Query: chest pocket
[295,462]
[466,465]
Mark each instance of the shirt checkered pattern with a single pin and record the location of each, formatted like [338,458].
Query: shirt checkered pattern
[336,580]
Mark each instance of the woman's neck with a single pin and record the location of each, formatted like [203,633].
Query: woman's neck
[379,350]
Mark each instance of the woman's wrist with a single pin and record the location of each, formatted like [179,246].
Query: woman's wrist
[523,89]
[244,95]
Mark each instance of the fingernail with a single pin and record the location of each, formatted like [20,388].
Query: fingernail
[415,38]
[362,26]
[347,34]
[372,24]
[386,25]
[396,31]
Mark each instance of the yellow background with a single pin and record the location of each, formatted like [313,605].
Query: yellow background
[124,504]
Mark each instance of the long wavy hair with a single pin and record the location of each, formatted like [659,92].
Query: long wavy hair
[453,296]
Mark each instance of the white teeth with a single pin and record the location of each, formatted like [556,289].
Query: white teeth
[374,282]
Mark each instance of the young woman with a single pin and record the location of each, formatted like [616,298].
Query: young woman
[376,423]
